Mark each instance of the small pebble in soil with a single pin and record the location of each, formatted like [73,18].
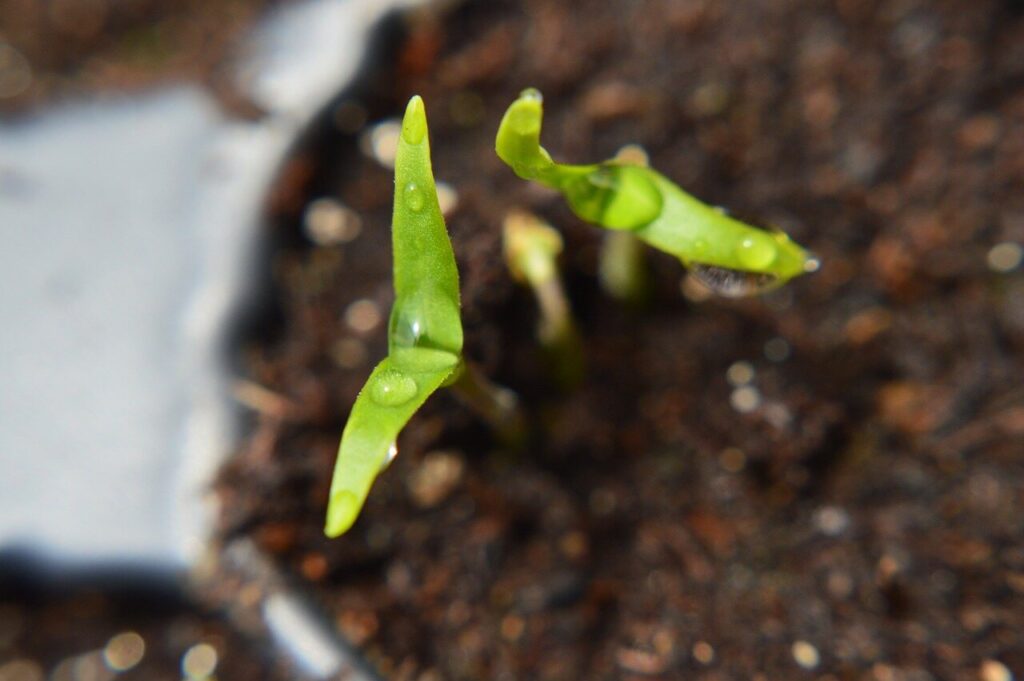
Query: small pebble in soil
[994,670]
[703,652]
[709,99]
[91,665]
[328,222]
[199,662]
[21,669]
[979,132]
[1005,257]
[867,324]
[381,142]
[640,661]
[777,414]
[435,478]
[732,459]
[124,651]
[745,399]
[805,654]
[314,566]
[512,627]
[693,290]
[839,585]
[739,373]
[831,521]
[363,315]
[349,353]
[447,197]
[574,545]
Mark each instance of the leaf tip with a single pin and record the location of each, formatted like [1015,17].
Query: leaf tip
[342,512]
[414,125]
[524,116]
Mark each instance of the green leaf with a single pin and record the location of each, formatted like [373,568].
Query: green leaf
[732,257]
[424,332]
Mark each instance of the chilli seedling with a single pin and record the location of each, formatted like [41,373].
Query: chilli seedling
[730,257]
[424,336]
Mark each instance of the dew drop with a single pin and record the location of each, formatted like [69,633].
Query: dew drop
[756,253]
[812,264]
[406,329]
[392,453]
[732,283]
[414,197]
[393,389]
[531,94]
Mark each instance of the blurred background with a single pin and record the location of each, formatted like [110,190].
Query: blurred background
[137,142]
[192,192]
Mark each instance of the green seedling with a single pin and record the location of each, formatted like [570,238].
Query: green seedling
[424,335]
[730,257]
[531,249]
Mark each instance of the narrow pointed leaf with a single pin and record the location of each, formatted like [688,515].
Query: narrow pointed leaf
[424,332]
[636,198]
[390,397]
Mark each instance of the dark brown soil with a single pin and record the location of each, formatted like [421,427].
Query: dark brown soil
[864,520]
[67,48]
[60,630]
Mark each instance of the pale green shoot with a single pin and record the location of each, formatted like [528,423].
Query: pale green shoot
[531,248]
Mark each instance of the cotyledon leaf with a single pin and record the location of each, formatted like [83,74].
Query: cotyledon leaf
[424,332]
[631,197]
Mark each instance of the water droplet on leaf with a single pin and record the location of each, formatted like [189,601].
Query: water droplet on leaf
[414,197]
[406,327]
[393,389]
[756,253]
[392,453]
[531,94]
[732,283]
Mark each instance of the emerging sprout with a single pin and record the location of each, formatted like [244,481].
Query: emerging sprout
[531,249]
[424,335]
[623,268]
[729,256]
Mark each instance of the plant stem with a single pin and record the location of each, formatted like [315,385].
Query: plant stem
[531,253]
[495,404]
[623,268]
